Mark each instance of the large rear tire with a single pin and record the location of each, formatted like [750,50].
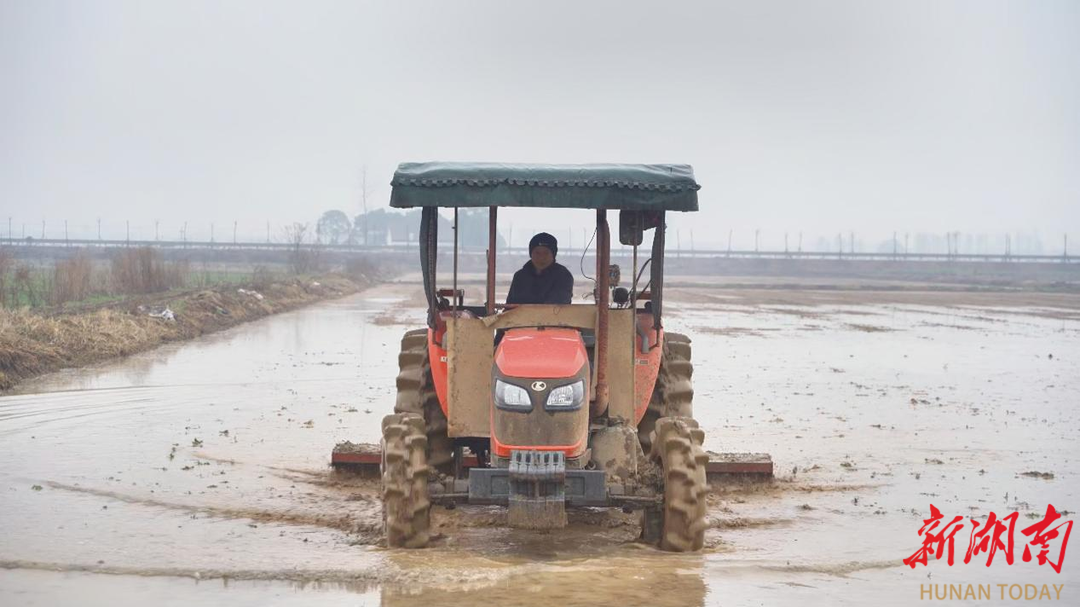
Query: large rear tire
[406,505]
[673,393]
[416,394]
[678,447]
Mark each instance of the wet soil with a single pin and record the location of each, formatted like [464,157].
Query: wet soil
[196,473]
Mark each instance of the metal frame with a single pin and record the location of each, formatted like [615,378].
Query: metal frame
[601,389]
[491,486]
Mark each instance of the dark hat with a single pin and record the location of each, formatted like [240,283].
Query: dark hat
[543,239]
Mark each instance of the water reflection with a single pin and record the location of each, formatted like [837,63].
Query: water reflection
[628,576]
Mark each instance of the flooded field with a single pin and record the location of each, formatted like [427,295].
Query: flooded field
[196,474]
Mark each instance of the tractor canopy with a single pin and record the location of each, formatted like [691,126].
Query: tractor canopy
[634,187]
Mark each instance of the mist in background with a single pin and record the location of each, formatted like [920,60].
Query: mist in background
[834,120]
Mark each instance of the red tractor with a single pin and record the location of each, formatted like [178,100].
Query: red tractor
[544,407]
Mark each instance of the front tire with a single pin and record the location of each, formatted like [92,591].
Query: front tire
[406,505]
[677,444]
[416,394]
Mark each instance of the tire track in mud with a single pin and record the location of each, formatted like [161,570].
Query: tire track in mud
[407,574]
[367,528]
[836,569]
[359,579]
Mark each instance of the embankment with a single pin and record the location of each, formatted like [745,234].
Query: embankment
[33,343]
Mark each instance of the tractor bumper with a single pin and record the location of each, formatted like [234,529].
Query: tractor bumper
[537,490]
[537,487]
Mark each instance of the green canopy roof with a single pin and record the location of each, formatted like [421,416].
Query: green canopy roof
[644,187]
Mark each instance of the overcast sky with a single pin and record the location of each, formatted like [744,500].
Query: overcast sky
[818,117]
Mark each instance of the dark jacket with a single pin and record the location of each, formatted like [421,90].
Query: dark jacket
[555,285]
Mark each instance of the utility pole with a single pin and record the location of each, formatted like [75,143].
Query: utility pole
[800,242]
[678,243]
[839,246]
[9,230]
[906,249]
[156,224]
[43,229]
[729,232]
[67,243]
[363,200]
[853,243]
[268,233]
[185,234]
[234,224]
[894,245]
[211,232]
[127,224]
[785,244]
[757,232]
[99,228]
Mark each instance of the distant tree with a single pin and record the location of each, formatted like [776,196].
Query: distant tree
[333,227]
[360,229]
[303,257]
[474,229]
[380,227]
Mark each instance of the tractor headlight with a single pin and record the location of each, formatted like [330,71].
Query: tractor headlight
[569,396]
[511,396]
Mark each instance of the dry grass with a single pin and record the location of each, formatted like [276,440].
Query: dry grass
[71,279]
[261,277]
[142,270]
[6,261]
[76,279]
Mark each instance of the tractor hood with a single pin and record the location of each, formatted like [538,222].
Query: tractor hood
[548,353]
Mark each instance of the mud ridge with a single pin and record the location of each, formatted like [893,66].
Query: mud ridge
[747,523]
[837,569]
[769,488]
[343,522]
[361,579]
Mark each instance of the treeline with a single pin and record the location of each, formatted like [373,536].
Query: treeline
[384,227]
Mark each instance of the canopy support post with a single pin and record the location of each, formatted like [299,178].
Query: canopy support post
[603,262]
[493,214]
[455,297]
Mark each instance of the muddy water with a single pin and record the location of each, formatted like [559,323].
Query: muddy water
[196,474]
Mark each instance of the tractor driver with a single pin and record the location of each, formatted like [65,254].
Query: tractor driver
[541,280]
